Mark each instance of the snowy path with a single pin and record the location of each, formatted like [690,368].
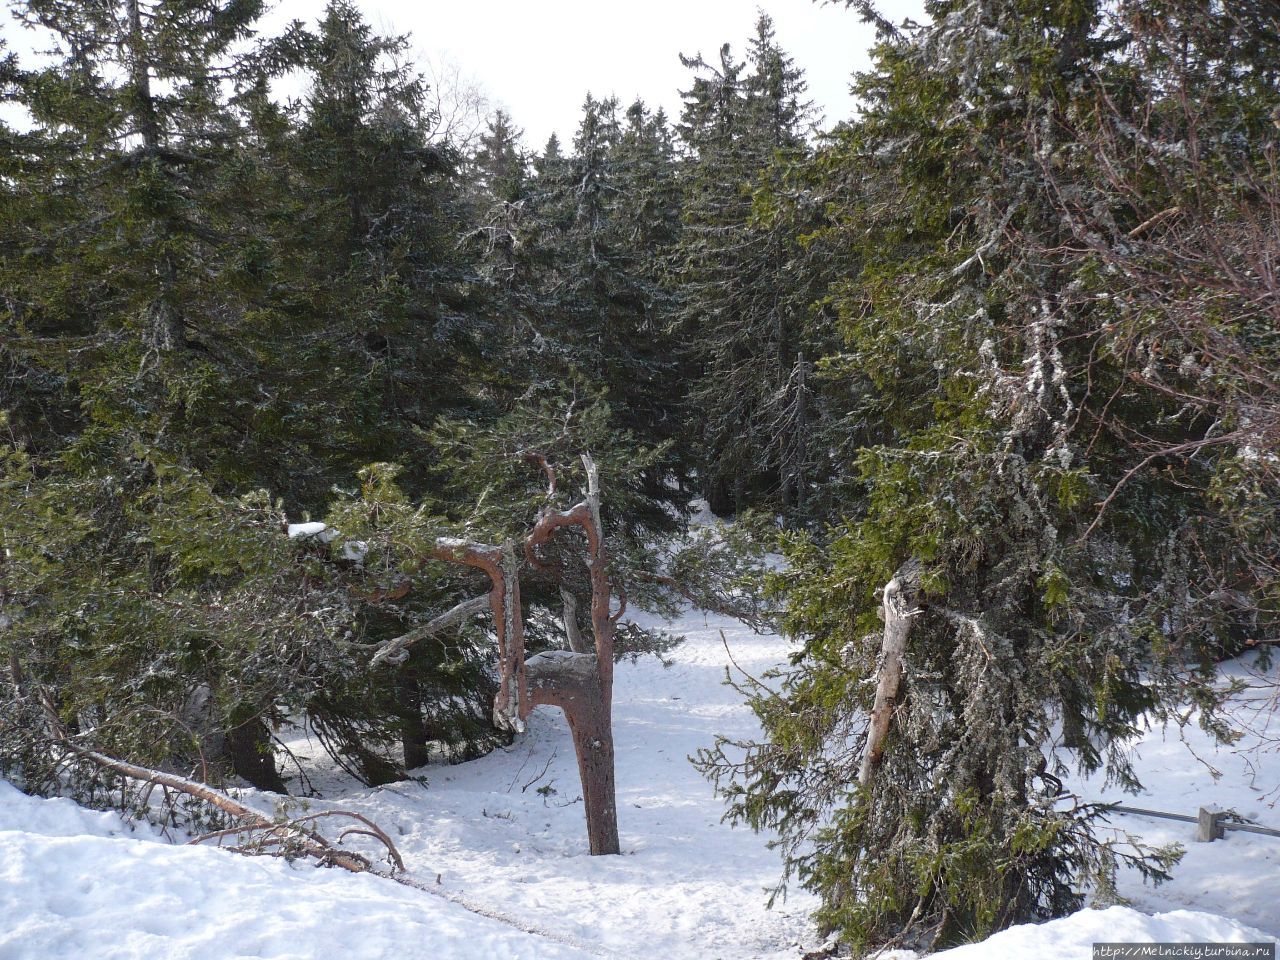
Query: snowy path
[507,831]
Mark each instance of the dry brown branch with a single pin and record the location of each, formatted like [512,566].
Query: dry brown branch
[374,830]
[288,833]
[1188,448]
[1150,222]
[308,843]
[546,466]
[289,839]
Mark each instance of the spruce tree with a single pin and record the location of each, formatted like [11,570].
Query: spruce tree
[225,306]
[572,264]
[499,162]
[120,295]
[743,305]
[620,204]
[973,593]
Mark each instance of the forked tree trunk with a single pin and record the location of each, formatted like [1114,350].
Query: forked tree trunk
[577,681]
[581,684]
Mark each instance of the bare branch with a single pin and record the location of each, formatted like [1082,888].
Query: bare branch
[511,705]
[393,651]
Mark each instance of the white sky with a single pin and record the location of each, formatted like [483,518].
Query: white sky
[539,58]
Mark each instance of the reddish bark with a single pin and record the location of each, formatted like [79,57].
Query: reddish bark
[571,681]
[579,683]
[511,705]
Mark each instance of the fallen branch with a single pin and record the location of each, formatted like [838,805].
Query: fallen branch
[1147,224]
[307,843]
[291,833]
[296,826]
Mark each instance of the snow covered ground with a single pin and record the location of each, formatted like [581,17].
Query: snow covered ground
[1073,937]
[76,884]
[500,845]
[1181,771]
[503,835]
[507,831]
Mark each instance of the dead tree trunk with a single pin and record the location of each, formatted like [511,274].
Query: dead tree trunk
[572,632]
[579,681]
[899,597]
[581,684]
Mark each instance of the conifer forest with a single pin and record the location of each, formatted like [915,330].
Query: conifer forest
[928,456]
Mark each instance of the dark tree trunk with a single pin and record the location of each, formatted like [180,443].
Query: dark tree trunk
[1073,732]
[413,732]
[252,757]
[168,331]
[718,497]
[801,446]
